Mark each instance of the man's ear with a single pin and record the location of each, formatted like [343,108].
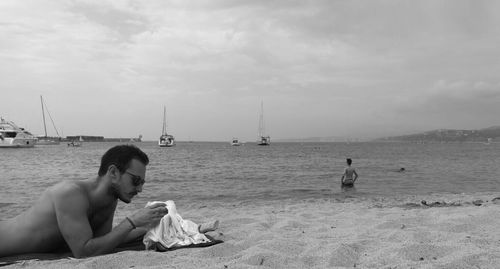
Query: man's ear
[113,171]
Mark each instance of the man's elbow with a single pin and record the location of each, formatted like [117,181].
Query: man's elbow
[87,250]
[80,254]
[85,254]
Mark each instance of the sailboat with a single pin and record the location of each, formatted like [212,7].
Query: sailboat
[263,140]
[165,140]
[46,140]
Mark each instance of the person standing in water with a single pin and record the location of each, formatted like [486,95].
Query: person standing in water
[349,176]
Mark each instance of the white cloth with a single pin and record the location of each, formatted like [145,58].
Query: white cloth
[173,230]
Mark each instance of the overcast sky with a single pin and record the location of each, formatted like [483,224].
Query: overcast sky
[357,69]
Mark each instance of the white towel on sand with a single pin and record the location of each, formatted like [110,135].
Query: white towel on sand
[173,230]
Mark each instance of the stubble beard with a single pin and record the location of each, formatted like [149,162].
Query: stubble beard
[114,190]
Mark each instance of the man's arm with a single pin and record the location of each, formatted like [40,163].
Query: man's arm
[71,205]
[135,234]
[108,224]
[132,236]
[355,175]
[343,176]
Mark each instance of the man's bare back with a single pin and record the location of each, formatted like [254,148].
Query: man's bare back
[350,175]
[79,214]
[37,230]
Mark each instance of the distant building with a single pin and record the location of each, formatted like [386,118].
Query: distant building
[90,138]
[86,138]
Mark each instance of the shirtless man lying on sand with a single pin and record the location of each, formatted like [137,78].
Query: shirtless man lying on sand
[79,214]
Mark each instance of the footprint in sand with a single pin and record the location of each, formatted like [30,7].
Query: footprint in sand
[222,250]
[268,260]
[346,255]
[425,252]
[285,247]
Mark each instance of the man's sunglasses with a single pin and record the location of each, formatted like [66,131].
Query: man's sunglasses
[136,180]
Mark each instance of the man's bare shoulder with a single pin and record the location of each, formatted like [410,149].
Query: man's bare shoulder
[68,192]
[67,186]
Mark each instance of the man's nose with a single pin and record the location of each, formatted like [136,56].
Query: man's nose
[139,188]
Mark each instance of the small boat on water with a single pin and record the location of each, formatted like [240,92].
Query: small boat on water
[488,141]
[75,143]
[263,139]
[12,136]
[166,140]
[235,142]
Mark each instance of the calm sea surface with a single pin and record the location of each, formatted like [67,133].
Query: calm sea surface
[207,173]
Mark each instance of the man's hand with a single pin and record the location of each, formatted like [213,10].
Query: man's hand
[149,216]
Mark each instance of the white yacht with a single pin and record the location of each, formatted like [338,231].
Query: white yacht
[12,136]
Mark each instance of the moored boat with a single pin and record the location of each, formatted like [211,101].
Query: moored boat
[166,140]
[263,140]
[74,144]
[12,136]
[235,142]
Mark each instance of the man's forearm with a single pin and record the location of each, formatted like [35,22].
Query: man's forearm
[106,243]
[135,234]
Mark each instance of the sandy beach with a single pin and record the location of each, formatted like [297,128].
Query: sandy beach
[459,232]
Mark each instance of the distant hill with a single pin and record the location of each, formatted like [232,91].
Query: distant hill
[319,139]
[491,134]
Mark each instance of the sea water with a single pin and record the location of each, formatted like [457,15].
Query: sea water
[205,173]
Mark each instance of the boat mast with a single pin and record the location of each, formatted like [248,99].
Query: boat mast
[164,131]
[43,114]
[261,120]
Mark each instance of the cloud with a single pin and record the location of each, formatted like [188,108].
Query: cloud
[122,21]
[452,104]
[398,65]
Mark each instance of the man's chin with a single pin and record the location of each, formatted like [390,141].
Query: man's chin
[125,199]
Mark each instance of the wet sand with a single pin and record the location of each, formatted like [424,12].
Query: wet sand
[460,232]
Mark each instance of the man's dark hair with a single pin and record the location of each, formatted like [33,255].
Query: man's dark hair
[120,156]
[349,161]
